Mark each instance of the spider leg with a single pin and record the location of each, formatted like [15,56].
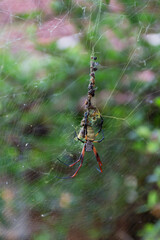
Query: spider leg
[100,129]
[63,162]
[79,138]
[80,159]
[98,170]
[98,141]
[71,165]
[98,158]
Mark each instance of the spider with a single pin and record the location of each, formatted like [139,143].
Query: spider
[88,134]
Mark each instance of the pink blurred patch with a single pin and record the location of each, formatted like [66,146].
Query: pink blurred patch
[21,45]
[118,97]
[44,5]
[116,6]
[9,8]
[54,29]
[83,3]
[145,76]
[17,6]
[81,104]
[123,98]
[16,40]
[116,43]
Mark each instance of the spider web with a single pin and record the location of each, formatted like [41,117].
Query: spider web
[45,49]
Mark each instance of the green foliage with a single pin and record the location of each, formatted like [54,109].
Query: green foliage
[151,231]
[152,199]
[42,236]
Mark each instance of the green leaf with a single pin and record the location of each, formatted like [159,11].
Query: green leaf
[143,131]
[152,199]
[153,147]
[157,101]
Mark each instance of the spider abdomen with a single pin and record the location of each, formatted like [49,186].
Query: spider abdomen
[90,134]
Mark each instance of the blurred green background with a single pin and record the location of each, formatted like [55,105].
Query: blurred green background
[45,49]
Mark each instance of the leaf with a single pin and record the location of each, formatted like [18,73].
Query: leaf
[152,199]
